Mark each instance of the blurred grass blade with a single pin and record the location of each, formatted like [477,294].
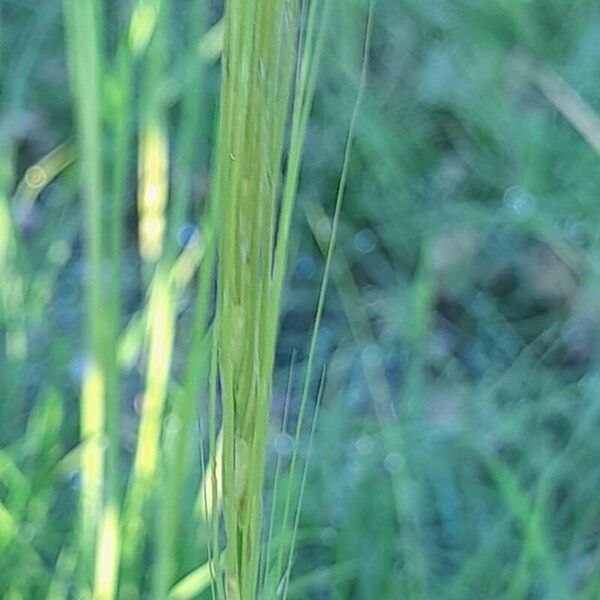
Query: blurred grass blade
[84,56]
[569,103]
[38,176]
[192,585]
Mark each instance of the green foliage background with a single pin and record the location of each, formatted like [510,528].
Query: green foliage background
[457,452]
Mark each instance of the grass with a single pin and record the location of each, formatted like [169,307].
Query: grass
[167,232]
[270,58]
[97,395]
[260,59]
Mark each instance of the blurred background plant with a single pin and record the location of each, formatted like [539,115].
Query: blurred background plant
[456,453]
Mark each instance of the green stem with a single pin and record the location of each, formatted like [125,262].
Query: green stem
[84,54]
